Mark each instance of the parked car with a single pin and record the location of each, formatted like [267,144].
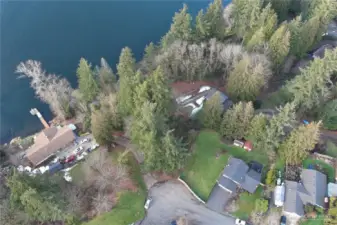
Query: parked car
[147,203]
[70,158]
[283,220]
[240,222]
[53,168]
[84,140]
[174,222]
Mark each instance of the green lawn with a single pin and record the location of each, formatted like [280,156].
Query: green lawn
[246,203]
[130,206]
[318,221]
[326,168]
[331,149]
[209,158]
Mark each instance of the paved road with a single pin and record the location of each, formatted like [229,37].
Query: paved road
[172,199]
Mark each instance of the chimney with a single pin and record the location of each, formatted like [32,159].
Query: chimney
[36,112]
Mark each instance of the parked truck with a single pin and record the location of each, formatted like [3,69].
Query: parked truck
[53,168]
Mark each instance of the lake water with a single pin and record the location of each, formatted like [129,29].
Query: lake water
[59,33]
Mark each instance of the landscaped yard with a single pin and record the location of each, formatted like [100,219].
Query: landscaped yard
[321,166]
[318,221]
[246,203]
[209,158]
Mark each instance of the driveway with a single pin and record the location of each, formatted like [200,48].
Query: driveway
[218,199]
[171,200]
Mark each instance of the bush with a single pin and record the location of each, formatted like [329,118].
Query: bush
[271,177]
[329,116]
[308,208]
[261,205]
[319,210]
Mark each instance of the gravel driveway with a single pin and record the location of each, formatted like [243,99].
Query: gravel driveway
[171,200]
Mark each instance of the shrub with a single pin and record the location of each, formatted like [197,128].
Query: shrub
[308,208]
[261,205]
[271,177]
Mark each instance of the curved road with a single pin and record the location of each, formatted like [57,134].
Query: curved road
[172,199]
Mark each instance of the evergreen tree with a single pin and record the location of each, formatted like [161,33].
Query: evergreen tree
[202,27]
[257,131]
[257,40]
[126,73]
[149,50]
[161,91]
[275,131]
[310,87]
[147,128]
[279,45]
[247,79]
[103,123]
[213,19]
[236,121]
[175,152]
[107,79]
[86,81]
[295,26]
[281,8]
[329,115]
[127,64]
[181,28]
[301,140]
[211,114]
[245,14]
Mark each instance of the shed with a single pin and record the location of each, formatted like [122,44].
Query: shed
[248,146]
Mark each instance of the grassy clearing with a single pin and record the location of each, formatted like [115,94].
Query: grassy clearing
[331,149]
[130,206]
[246,203]
[321,166]
[208,160]
[277,98]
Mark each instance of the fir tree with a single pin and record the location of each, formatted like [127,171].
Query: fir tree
[86,81]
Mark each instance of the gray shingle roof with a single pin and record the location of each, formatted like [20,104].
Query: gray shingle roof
[251,181]
[238,172]
[227,184]
[312,189]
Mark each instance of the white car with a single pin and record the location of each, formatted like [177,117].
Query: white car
[94,146]
[240,222]
[84,140]
[147,203]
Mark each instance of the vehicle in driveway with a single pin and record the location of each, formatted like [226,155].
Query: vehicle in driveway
[53,168]
[283,220]
[240,222]
[84,140]
[70,158]
[147,203]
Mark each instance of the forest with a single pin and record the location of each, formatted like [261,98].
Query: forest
[249,48]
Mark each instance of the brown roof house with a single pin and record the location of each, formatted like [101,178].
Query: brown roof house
[49,141]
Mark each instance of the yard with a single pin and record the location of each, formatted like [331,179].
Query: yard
[130,206]
[209,158]
[320,166]
[318,221]
[246,203]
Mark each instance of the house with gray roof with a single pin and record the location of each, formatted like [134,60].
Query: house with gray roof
[310,190]
[235,174]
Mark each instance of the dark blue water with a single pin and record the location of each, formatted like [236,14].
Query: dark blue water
[59,33]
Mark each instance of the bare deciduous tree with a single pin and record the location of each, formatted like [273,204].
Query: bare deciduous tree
[102,203]
[184,61]
[49,88]
[103,173]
